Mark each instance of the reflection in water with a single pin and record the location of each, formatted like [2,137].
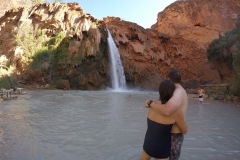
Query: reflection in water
[107,125]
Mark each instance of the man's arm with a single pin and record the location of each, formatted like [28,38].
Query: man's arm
[170,107]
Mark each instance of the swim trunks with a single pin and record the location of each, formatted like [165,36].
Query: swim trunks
[200,98]
[176,144]
[157,141]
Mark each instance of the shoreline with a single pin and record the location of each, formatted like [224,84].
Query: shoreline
[28,89]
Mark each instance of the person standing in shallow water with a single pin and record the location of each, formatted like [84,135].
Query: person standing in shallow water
[179,100]
[201,93]
[157,142]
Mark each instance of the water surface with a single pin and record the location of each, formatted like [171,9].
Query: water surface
[88,125]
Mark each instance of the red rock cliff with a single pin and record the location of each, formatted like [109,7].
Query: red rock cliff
[198,20]
[178,39]
[81,64]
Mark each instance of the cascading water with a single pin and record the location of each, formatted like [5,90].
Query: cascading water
[118,79]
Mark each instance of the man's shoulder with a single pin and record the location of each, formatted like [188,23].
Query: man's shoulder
[179,92]
[180,89]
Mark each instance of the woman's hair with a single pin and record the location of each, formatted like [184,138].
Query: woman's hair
[166,89]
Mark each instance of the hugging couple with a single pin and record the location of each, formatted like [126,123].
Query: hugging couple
[165,121]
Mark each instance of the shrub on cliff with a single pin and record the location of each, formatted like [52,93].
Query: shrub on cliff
[63,84]
[221,49]
[235,81]
[6,82]
[29,41]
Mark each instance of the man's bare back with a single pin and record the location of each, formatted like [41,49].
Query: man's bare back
[181,93]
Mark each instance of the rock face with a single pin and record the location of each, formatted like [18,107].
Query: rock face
[81,53]
[54,17]
[201,21]
[198,20]
[148,55]
[9,4]
[179,40]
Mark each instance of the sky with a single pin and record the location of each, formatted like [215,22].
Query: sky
[142,12]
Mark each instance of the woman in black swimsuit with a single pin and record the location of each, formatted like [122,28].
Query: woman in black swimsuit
[157,143]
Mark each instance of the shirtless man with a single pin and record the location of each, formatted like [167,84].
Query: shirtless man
[179,100]
[201,93]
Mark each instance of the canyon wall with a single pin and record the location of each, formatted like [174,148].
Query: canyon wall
[179,39]
[80,57]
[198,20]
[9,4]
[148,55]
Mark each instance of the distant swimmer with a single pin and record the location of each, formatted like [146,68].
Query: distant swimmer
[201,93]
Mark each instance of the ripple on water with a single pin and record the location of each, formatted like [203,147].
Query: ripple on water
[107,125]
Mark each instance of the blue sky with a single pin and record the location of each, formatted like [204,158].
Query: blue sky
[142,12]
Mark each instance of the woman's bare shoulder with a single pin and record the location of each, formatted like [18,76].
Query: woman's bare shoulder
[158,101]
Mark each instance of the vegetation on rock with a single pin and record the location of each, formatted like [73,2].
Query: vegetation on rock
[50,59]
[227,49]
[235,81]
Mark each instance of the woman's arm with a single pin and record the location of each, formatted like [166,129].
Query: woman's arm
[170,107]
[180,122]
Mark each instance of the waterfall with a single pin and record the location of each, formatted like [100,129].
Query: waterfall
[118,80]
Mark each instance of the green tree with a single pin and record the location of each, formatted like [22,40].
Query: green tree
[238,22]
[236,66]
[29,41]
[220,48]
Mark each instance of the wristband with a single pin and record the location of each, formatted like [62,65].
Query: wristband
[149,103]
